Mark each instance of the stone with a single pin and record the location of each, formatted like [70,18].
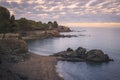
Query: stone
[69,50]
[80,52]
[96,55]
[13,50]
[63,29]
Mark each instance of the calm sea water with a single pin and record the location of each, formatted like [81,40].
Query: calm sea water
[106,39]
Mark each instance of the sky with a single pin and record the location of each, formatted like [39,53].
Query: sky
[66,11]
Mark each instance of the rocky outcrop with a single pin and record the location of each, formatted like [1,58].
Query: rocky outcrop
[39,34]
[63,29]
[12,50]
[97,56]
[10,36]
[81,54]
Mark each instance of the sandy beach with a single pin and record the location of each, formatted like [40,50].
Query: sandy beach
[37,68]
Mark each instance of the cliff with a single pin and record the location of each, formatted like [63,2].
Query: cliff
[39,34]
[63,29]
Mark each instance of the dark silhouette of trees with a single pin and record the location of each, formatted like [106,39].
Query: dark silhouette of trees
[14,25]
[26,25]
[55,24]
[5,24]
[9,24]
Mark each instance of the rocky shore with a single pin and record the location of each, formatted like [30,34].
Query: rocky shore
[16,63]
[36,34]
[39,34]
[35,67]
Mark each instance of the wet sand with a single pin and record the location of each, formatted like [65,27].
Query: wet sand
[37,68]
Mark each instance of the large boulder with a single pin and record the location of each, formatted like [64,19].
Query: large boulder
[80,52]
[96,55]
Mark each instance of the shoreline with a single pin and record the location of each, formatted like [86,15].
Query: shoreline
[37,67]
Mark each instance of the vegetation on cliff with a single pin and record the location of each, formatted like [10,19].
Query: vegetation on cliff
[26,25]
[7,23]
[22,26]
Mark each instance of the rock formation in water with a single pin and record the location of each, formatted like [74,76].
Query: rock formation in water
[97,56]
[81,54]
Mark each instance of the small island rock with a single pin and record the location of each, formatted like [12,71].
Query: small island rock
[97,56]
[80,54]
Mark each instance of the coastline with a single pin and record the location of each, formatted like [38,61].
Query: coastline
[37,67]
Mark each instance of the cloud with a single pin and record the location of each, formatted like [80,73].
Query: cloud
[35,1]
[90,2]
[65,10]
[17,1]
[12,11]
[73,5]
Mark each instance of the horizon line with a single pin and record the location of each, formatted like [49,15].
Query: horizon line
[92,24]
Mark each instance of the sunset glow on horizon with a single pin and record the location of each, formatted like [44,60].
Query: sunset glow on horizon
[98,24]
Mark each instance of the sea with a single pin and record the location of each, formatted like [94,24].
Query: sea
[106,39]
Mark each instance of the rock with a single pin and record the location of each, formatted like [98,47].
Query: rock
[6,74]
[39,34]
[67,36]
[65,54]
[10,36]
[80,52]
[71,59]
[97,56]
[69,50]
[52,33]
[63,29]
[13,46]
[13,50]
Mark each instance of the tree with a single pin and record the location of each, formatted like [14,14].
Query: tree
[5,24]
[14,25]
[4,13]
[55,24]
[50,25]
